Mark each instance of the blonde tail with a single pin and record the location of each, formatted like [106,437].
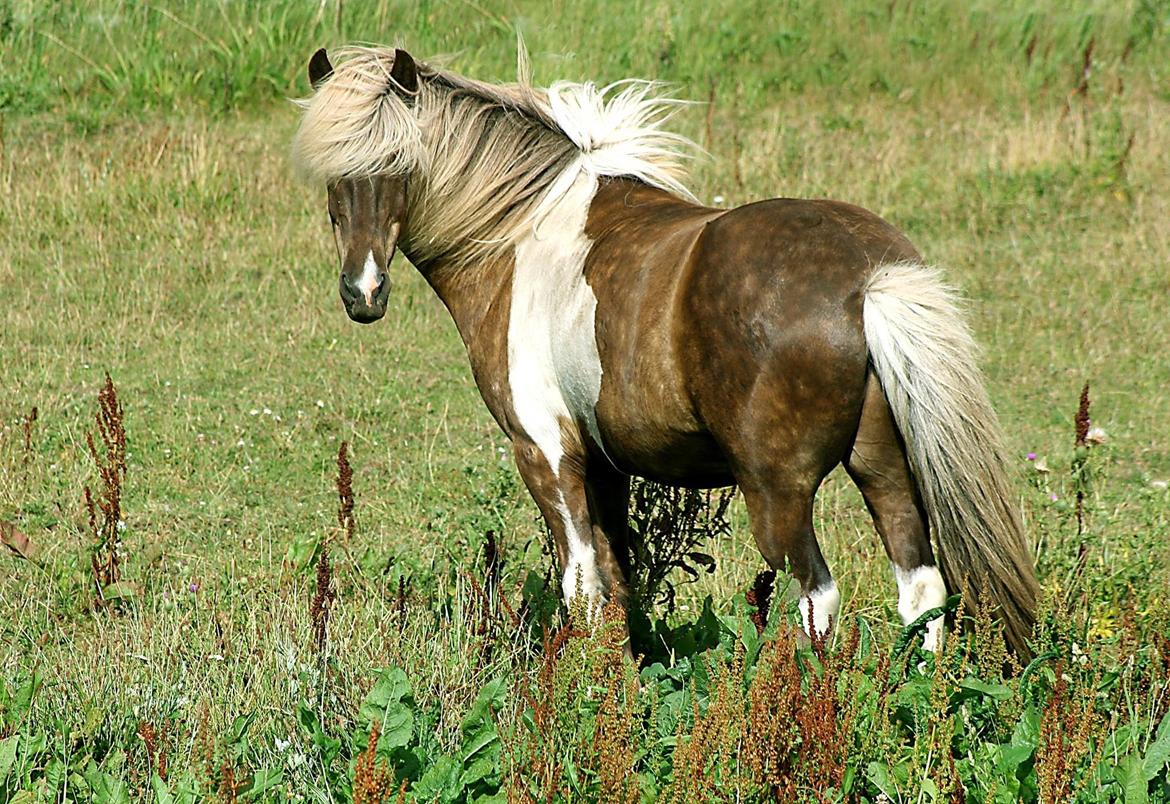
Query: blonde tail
[925,358]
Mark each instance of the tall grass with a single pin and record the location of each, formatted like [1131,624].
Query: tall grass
[111,57]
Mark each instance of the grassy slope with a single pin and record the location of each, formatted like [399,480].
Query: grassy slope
[151,229]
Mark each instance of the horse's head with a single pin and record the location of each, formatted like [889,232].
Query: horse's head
[367,213]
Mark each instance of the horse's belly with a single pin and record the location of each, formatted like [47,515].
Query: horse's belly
[689,459]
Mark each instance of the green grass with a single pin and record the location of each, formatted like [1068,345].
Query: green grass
[150,228]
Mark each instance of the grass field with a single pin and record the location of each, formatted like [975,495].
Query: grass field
[150,228]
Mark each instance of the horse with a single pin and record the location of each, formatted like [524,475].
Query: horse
[617,327]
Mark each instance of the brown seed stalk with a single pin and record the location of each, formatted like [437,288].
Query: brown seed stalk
[345,518]
[110,461]
[372,780]
[322,603]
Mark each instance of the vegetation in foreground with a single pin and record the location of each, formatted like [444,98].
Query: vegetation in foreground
[205,597]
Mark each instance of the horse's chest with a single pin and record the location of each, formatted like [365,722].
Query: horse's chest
[554,370]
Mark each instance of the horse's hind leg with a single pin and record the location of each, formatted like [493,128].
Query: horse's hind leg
[879,466]
[780,505]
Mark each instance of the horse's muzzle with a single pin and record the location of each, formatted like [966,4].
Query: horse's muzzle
[360,308]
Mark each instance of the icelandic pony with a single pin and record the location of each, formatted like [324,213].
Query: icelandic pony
[616,327]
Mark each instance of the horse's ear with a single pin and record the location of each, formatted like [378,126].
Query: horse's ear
[319,68]
[404,72]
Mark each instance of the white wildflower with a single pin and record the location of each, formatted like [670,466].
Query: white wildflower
[1095,436]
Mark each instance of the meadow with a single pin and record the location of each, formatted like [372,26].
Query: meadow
[195,646]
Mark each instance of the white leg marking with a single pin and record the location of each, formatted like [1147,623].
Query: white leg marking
[919,590]
[825,602]
[368,282]
[581,576]
[554,369]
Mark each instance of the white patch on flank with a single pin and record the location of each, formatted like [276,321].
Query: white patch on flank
[368,282]
[554,369]
[920,590]
[825,602]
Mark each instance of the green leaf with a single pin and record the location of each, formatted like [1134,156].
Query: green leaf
[262,781]
[22,701]
[1012,756]
[7,755]
[574,780]
[162,793]
[1128,774]
[328,746]
[105,788]
[499,797]
[478,727]
[1027,730]
[919,625]
[879,776]
[475,743]
[482,768]
[998,692]
[302,552]
[397,727]
[121,590]
[440,781]
[391,687]
[1158,754]
[490,699]
[94,718]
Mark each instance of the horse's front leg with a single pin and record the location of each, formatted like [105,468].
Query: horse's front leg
[586,513]
[608,492]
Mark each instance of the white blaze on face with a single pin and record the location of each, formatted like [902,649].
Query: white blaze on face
[368,281]
[825,602]
[920,590]
[554,369]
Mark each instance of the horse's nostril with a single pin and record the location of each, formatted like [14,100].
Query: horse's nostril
[348,291]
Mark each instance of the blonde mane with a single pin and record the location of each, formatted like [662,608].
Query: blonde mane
[483,160]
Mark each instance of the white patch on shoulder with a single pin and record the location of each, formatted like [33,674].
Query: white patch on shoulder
[554,369]
[368,282]
[920,590]
[825,602]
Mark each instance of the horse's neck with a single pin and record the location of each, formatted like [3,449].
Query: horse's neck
[470,293]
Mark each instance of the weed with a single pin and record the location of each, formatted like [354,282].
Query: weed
[760,597]
[106,552]
[372,780]
[1066,729]
[26,427]
[155,741]
[321,606]
[1080,458]
[772,737]
[345,517]
[617,734]
[669,529]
